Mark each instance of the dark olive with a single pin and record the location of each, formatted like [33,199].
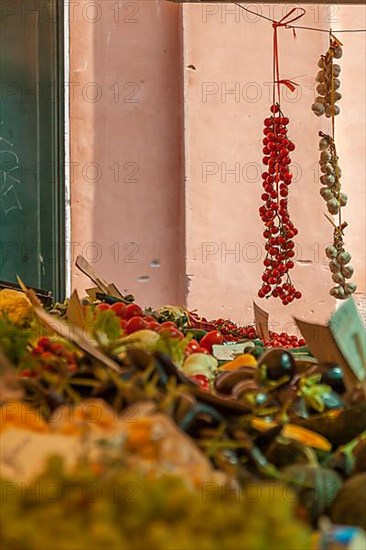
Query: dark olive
[261,398]
[278,362]
[360,456]
[332,375]
[257,351]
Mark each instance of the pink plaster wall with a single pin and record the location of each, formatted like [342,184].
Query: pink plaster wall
[126,137]
[224,132]
[351,136]
[177,209]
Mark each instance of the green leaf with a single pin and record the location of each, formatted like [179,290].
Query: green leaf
[13,339]
[173,347]
[311,380]
[313,398]
[274,384]
[106,328]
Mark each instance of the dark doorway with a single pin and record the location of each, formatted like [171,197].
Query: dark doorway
[32,194]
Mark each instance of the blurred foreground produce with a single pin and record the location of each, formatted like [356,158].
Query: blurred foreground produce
[119,509]
[349,508]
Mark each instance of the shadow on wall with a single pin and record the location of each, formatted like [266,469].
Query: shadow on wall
[135,166]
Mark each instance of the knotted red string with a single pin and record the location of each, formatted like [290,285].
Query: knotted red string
[289,83]
[286,20]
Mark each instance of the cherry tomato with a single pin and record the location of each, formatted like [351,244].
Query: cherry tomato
[171,332]
[57,349]
[154,326]
[44,343]
[210,339]
[168,324]
[132,310]
[119,309]
[192,347]
[122,323]
[47,367]
[136,323]
[149,319]
[47,356]
[27,373]
[202,381]
[102,307]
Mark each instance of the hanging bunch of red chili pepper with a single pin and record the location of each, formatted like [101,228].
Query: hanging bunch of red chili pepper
[277,178]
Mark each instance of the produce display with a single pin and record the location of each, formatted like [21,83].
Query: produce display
[269,414]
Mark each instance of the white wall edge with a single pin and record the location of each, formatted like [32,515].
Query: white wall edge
[68,244]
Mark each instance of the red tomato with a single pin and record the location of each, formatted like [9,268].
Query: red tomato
[192,347]
[27,373]
[135,324]
[102,307]
[168,324]
[119,309]
[47,367]
[57,349]
[210,339]
[47,356]
[171,332]
[44,343]
[122,323]
[154,326]
[132,310]
[149,319]
[202,381]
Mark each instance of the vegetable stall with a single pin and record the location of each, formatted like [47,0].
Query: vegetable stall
[160,418]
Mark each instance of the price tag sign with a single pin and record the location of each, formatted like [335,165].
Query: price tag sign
[341,341]
[228,352]
[261,322]
[88,270]
[348,332]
